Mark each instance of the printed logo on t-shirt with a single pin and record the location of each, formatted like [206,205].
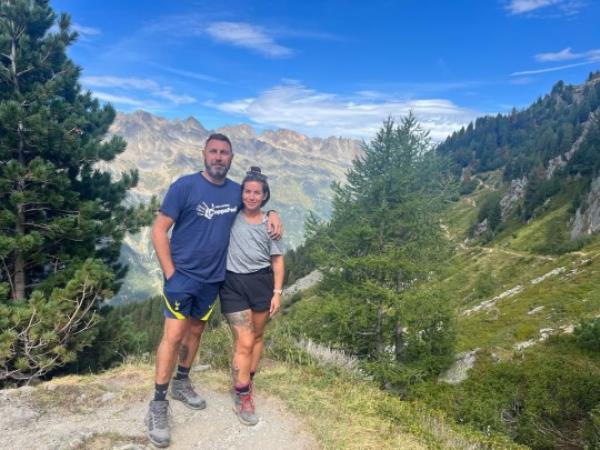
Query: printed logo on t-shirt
[214,210]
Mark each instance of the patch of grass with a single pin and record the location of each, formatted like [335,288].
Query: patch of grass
[83,393]
[532,236]
[351,413]
[566,298]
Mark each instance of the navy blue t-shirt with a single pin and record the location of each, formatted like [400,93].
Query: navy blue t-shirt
[203,213]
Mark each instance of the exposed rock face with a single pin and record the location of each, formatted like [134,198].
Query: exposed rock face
[587,218]
[300,170]
[488,304]
[481,228]
[561,160]
[460,369]
[304,283]
[515,193]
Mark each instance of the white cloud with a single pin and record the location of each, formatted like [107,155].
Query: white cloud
[119,99]
[549,69]
[567,55]
[190,74]
[247,36]
[565,7]
[524,6]
[85,32]
[292,105]
[564,55]
[151,87]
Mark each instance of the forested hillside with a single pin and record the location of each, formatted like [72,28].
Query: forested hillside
[519,142]
[466,276]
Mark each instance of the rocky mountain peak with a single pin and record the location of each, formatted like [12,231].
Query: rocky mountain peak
[235,132]
[283,137]
[331,148]
[192,122]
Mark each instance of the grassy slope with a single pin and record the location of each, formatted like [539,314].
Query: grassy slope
[479,273]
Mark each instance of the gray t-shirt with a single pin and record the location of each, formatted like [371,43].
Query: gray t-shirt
[250,246]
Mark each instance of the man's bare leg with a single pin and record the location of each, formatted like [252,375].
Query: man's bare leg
[181,386]
[166,356]
[191,342]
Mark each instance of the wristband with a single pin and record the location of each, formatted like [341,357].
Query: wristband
[278,291]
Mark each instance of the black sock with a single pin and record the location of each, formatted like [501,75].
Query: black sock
[160,391]
[241,389]
[182,373]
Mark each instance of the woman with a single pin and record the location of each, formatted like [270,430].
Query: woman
[252,289]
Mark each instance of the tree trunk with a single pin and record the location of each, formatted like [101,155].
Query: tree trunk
[399,341]
[19,279]
[13,60]
[398,329]
[379,330]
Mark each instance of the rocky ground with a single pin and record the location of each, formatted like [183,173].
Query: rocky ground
[106,412]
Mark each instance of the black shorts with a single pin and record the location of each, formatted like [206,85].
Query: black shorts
[242,291]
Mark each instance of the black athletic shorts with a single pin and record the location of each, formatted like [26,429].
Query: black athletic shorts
[242,291]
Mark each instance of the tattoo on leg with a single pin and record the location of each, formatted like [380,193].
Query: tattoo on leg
[183,353]
[235,374]
[241,319]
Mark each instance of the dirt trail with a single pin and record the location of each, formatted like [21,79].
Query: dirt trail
[107,411]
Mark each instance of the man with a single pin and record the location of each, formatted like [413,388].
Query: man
[201,208]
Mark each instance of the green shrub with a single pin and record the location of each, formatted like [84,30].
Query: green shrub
[216,346]
[116,337]
[547,400]
[491,210]
[587,334]
[485,285]
[280,344]
[557,239]
[467,187]
[591,430]
[147,318]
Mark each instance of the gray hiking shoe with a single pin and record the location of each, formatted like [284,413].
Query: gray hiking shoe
[245,409]
[157,421]
[183,391]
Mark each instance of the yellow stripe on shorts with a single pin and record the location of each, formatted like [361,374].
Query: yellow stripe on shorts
[177,314]
[207,315]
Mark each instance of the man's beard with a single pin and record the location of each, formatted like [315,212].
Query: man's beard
[218,173]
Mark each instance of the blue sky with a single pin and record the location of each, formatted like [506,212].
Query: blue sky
[331,67]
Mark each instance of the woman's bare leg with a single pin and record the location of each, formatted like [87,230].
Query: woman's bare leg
[259,321]
[242,327]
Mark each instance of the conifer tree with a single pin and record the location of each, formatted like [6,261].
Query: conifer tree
[384,238]
[62,220]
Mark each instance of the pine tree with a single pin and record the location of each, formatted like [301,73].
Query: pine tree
[62,220]
[384,237]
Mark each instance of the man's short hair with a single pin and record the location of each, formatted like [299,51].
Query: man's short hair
[218,137]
